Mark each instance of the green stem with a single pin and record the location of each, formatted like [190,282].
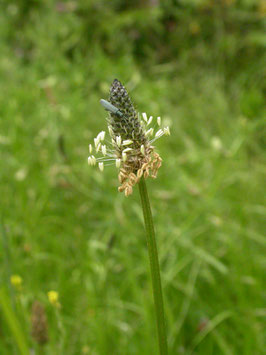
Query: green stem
[155,269]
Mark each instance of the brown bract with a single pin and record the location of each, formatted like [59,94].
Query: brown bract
[130,174]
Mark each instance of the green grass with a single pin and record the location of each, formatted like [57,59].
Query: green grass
[69,230]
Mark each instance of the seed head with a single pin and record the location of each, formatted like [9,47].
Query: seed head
[39,323]
[131,136]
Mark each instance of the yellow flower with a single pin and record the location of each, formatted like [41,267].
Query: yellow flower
[16,281]
[53,298]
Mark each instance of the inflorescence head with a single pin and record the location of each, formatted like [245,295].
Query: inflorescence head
[131,136]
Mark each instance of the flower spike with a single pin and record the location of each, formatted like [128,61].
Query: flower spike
[131,148]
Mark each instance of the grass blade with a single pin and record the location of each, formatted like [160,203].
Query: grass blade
[13,322]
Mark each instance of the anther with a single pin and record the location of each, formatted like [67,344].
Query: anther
[144,115]
[127,142]
[167,131]
[127,150]
[159,133]
[104,149]
[149,132]
[99,146]
[124,156]
[150,121]
[118,163]
[101,166]
[118,141]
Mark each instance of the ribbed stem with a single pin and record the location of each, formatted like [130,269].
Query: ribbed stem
[155,269]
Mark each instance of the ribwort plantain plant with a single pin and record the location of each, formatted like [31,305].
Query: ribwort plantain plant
[131,150]
[39,325]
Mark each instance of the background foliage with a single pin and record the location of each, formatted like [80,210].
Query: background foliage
[64,227]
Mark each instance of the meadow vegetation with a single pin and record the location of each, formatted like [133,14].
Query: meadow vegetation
[65,228]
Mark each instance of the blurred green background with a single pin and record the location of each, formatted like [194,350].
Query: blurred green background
[64,227]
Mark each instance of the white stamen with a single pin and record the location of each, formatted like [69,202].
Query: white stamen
[102,135]
[104,149]
[159,133]
[124,156]
[127,142]
[110,131]
[118,141]
[90,148]
[149,132]
[118,163]
[144,115]
[159,121]
[142,149]
[101,166]
[167,131]
[98,148]
[127,150]
[93,160]
[150,121]
[96,141]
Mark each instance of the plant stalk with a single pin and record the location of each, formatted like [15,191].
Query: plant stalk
[155,269]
